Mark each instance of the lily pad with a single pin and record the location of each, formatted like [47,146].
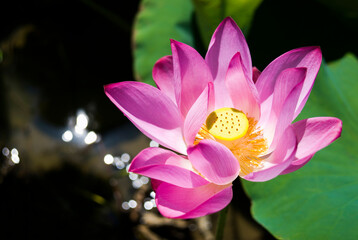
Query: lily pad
[209,13]
[157,22]
[320,200]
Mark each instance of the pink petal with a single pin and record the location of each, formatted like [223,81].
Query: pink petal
[287,80]
[283,112]
[151,111]
[155,183]
[214,161]
[164,77]
[242,90]
[164,165]
[191,75]
[313,134]
[226,41]
[198,113]
[308,57]
[255,74]
[222,95]
[211,97]
[296,164]
[279,159]
[178,202]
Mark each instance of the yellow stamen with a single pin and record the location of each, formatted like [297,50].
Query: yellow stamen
[227,124]
[248,148]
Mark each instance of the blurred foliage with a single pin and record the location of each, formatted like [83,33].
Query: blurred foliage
[271,28]
[280,25]
[157,22]
[320,200]
[209,14]
[346,8]
[160,20]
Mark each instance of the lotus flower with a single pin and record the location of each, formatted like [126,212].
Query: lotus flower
[224,119]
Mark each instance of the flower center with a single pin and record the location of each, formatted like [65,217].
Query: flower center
[238,133]
[227,124]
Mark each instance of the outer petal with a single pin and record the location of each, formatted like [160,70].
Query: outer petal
[255,74]
[279,159]
[164,165]
[308,57]
[242,90]
[198,113]
[155,183]
[151,111]
[214,161]
[313,134]
[285,116]
[164,77]
[191,75]
[288,80]
[226,41]
[177,202]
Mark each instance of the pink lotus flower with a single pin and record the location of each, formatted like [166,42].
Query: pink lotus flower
[225,118]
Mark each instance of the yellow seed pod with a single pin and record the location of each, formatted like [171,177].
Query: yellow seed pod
[227,124]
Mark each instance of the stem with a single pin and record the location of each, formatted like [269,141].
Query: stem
[221,224]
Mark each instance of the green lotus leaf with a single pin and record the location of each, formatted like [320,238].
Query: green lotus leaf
[157,22]
[209,14]
[320,200]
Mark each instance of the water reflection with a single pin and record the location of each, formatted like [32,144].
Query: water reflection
[119,163]
[125,157]
[132,203]
[125,206]
[81,120]
[78,132]
[12,155]
[90,138]
[148,205]
[67,136]
[15,159]
[5,151]
[14,151]
[153,144]
[133,176]
[108,159]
